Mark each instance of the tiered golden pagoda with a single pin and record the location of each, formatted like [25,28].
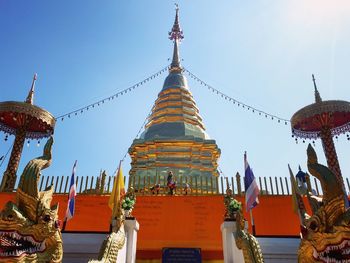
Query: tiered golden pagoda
[174,138]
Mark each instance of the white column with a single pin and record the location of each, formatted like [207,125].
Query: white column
[122,252]
[231,253]
[131,227]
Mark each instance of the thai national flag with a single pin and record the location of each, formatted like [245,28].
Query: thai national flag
[71,196]
[251,187]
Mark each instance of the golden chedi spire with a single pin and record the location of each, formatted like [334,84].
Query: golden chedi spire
[174,137]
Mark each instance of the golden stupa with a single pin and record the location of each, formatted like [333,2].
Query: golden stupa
[174,138]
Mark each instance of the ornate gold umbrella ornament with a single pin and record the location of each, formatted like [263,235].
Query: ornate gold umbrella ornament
[323,119]
[25,121]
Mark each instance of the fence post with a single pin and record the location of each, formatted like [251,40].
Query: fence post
[265,183]
[207,186]
[138,183]
[276,182]
[66,184]
[92,182]
[102,183]
[41,183]
[271,185]
[144,185]
[47,181]
[81,184]
[217,185]
[56,184]
[222,185]
[52,178]
[109,182]
[285,179]
[281,181]
[181,185]
[238,179]
[62,177]
[86,183]
[233,185]
[261,188]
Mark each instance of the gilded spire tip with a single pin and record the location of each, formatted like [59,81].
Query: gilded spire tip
[30,96]
[176,35]
[317,94]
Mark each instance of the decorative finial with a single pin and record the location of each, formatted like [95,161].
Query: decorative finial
[317,94]
[176,35]
[176,32]
[31,91]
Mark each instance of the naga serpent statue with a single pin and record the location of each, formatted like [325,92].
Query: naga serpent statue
[29,227]
[116,239]
[325,236]
[247,242]
[244,240]
[112,244]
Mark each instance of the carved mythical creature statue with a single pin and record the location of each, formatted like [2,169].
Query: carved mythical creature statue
[29,228]
[326,234]
[247,242]
[112,244]
[114,241]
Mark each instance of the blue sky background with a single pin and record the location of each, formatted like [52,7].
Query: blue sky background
[260,52]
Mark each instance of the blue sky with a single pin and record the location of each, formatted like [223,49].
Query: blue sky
[260,52]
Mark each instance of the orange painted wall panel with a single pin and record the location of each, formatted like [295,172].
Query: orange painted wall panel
[177,221]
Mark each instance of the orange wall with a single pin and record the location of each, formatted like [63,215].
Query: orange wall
[178,221]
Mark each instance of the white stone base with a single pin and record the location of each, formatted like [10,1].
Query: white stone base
[131,229]
[85,246]
[231,253]
[82,247]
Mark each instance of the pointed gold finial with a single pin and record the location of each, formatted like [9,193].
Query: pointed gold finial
[317,94]
[30,96]
[176,35]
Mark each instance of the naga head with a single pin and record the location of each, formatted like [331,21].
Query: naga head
[29,227]
[325,234]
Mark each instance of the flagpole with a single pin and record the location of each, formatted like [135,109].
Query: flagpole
[252,221]
[115,181]
[64,225]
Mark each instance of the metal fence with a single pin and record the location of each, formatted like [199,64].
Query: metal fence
[195,186]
